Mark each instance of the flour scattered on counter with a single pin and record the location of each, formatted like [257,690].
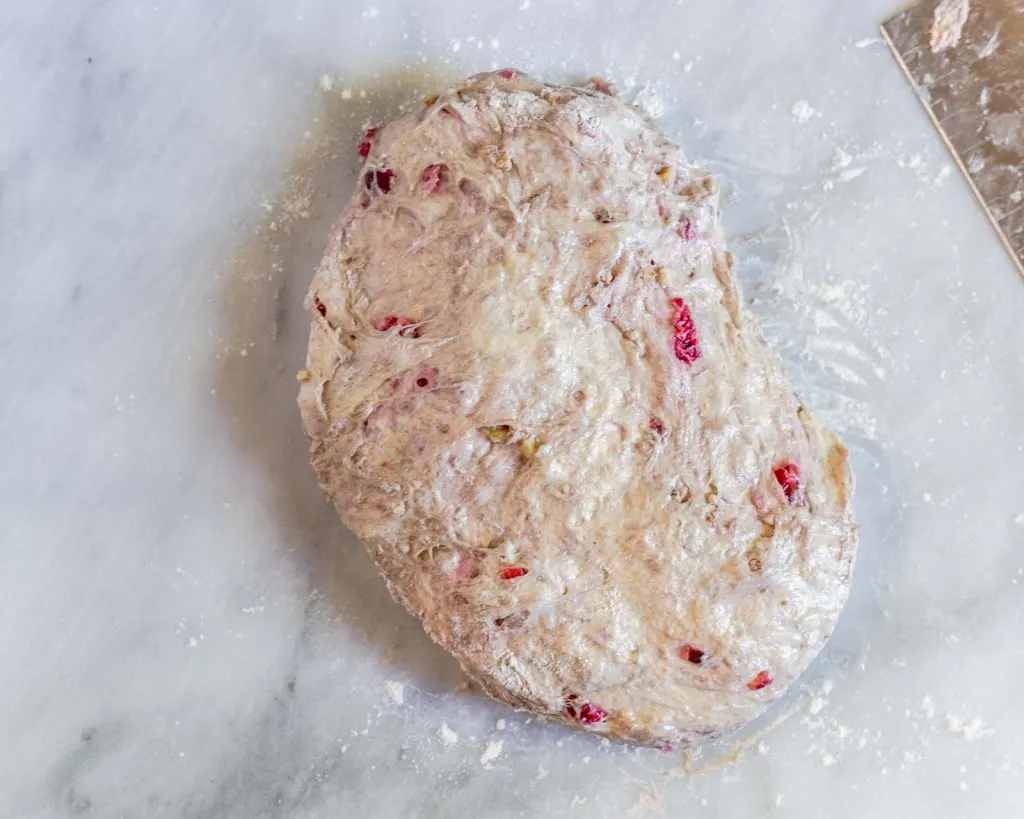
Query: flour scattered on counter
[542,772]
[500,725]
[395,691]
[840,159]
[491,752]
[944,173]
[867,41]
[447,735]
[326,83]
[948,23]
[802,111]
[972,730]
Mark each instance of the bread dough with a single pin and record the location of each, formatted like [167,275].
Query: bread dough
[533,393]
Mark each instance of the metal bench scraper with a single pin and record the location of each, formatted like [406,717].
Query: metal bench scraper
[965,60]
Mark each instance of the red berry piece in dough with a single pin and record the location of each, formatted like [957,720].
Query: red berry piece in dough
[788,476]
[379,179]
[685,343]
[657,425]
[320,307]
[762,680]
[692,654]
[591,714]
[509,73]
[385,323]
[427,379]
[383,179]
[367,143]
[512,572]
[435,177]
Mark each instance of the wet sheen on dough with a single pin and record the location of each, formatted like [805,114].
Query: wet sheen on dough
[585,515]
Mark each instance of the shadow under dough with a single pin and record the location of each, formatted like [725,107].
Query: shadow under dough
[261,305]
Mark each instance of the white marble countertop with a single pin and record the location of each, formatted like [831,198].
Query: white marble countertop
[186,630]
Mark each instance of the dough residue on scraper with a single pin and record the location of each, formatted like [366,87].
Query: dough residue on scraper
[948,23]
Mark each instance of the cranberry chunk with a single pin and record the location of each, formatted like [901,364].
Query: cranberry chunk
[404,323]
[591,714]
[692,654]
[788,476]
[762,680]
[427,378]
[380,179]
[434,179]
[367,143]
[512,572]
[685,343]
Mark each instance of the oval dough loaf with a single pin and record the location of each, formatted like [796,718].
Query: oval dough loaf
[532,391]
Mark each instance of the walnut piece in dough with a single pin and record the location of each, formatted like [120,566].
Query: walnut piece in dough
[535,396]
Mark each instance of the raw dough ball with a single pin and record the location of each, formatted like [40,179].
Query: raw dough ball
[535,396]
